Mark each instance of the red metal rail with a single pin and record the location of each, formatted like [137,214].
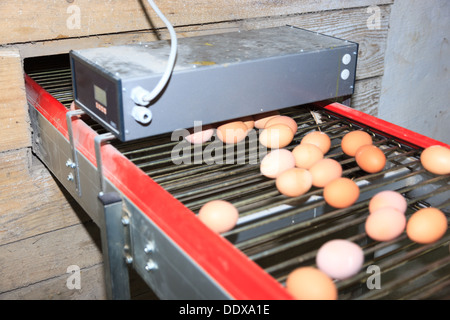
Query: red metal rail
[405,136]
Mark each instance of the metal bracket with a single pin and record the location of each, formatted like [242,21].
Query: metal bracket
[73,163]
[98,155]
[114,244]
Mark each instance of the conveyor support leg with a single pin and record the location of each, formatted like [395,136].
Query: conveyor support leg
[113,244]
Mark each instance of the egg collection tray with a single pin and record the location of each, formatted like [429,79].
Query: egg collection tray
[275,234]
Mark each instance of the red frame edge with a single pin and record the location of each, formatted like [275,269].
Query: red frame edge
[406,136]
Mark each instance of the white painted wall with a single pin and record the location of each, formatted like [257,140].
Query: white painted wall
[416,83]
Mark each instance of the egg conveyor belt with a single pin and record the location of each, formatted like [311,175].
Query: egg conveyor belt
[279,233]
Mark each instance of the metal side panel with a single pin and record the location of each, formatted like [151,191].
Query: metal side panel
[166,269]
[157,259]
[54,150]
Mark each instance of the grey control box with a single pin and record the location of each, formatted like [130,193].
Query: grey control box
[216,78]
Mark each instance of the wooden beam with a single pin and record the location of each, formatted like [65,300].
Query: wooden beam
[49,255]
[92,287]
[51,47]
[24,21]
[55,288]
[14,121]
[347,24]
[367,95]
[32,202]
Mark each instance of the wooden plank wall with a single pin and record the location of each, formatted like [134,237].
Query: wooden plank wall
[42,229]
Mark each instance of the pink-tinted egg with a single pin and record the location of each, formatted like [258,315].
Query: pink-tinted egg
[276,162]
[200,137]
[388,198]
[340,258]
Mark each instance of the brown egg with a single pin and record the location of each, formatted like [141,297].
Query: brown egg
[309,283]
[318,138]
[288,121]
[436,159]
[341,193]
[427,225]
[353,140]
[370,158]
[262,118]
[219,215]
[249,122]
[232,132]
[294,182]
[385,224]
[306,155]
[276,136]
[325,171]
[276,162]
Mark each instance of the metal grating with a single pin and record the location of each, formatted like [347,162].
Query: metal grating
[281,233]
